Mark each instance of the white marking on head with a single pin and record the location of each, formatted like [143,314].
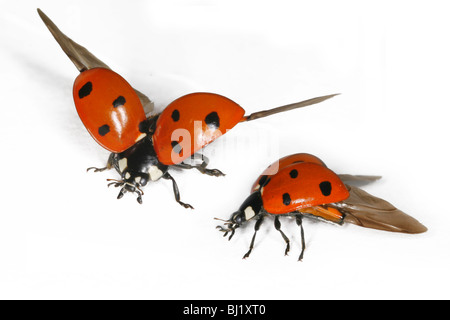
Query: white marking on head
[155,173]
[249,213]
[123,164]
[137,179]
[127,175]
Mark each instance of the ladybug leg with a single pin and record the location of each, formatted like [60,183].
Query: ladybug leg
[230,227]
[202,166]
[121,193]
[286,239]
[257,226]
[176,192]
[98,169]
[125,189]
[299,219]
[139,193]
[233,230]
[109,165]
[209,172]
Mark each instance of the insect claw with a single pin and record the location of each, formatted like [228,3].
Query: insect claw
[220,173]
[222,229]
[187,205]
[214,172]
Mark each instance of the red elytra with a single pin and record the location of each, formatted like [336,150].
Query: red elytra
[284,162]
[301,185]
[143,148]
[109,108]
[304,187]
[192,122]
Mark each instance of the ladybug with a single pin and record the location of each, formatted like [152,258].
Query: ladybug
[301,185]
[145,145]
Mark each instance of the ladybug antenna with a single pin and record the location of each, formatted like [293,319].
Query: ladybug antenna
[116,183]
[140,190]
[122,182]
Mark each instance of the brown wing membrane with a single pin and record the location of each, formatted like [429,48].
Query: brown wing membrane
[368,211]
[266,113]
[82,58]
[358,180]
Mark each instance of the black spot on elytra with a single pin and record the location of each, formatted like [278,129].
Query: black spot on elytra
[212,120]
[286,199]
[176,147]
[120,101]
[263,181]
[325,188]
[104,129]
[85,90]
[293,173]
[175,115]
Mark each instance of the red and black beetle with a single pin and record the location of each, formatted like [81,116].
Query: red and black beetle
[301,185]
[145,145]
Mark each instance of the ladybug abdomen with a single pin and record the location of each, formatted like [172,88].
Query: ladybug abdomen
[302,185]
[109,108]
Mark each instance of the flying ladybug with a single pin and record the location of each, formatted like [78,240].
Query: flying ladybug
[301,185]
[144,145]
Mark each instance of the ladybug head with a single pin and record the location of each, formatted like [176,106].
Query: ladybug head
[232,224]
[128,185]
[251,207]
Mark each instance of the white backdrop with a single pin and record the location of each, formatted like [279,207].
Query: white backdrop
[64,235]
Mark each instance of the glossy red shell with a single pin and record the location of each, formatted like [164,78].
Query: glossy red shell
[284,162]
[191,122]
[109,108]
[302,185]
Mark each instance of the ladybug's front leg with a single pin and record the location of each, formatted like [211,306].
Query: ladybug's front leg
[257,225]
[109,165]
[176,192]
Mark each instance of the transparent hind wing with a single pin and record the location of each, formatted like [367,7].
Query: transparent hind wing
[292,106]
[366,210]
[83,59]
[358,180]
